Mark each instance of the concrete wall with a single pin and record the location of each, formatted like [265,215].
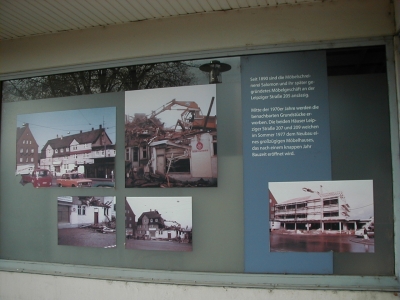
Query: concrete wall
[287,24]
[46,287]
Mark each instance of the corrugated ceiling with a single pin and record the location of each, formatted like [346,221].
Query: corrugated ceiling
[23,18]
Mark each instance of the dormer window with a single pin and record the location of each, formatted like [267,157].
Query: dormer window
[56,150]
[61,150]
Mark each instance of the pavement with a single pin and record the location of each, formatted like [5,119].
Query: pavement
[86,237]
[157,245]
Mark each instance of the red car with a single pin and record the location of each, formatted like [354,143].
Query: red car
[39,178]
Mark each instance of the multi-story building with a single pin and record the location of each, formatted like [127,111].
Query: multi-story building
[130,220]
[323,211]
[26,151]
[91,153]
[150,225]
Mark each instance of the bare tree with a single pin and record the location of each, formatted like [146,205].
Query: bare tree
[99,81]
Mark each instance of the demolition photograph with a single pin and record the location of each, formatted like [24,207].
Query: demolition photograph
[322,216]
[171,137]
[73,148]
[87,221]
[158,223]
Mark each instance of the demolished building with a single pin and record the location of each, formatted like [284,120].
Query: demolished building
[183,156]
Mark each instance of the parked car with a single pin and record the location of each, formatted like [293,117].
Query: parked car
[106,184]
[73,179]
[368,229]
[38,178]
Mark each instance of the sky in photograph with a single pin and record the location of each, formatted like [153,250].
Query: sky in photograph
[146,101]
[358,193]
[178,209]
[46,126]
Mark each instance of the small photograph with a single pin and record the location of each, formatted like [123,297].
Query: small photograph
[74,148]
[322,216]
[171,137]
[87,221]
[158,223]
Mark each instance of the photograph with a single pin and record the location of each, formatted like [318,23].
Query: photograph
[171,137]
[73,148]
[322,216]
[87,221]
[158,223]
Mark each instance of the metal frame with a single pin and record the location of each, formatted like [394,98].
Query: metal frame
[268,281]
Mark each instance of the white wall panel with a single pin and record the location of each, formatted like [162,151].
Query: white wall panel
[321,21]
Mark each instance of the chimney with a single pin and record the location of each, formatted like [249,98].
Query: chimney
[92,128]
[81,131]
[100,126]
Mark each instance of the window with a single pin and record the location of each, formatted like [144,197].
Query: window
[66,149]
[127,156]
[32,150]
[21,150]
[151,220]
[81,210]
[23,142]
[27,150]
[56,150]
[31,159]
[135,154]
[20,159]
[61,150]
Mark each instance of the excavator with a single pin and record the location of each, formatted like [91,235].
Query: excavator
[191,117]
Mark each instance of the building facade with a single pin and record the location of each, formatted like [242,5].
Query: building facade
[26,150]
[91,153]
[320,211]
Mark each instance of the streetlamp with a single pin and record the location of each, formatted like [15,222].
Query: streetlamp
[215,68]
[322,204]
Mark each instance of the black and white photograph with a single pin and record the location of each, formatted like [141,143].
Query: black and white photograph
[322,216]
[73,148]
[87,221]
[171,137]
[158,223]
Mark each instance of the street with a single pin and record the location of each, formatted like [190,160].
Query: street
[86,237]
[157,245]
[292,242]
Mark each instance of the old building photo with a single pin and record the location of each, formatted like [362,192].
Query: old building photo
[87,221]
[158,223]
[321,216]
[74,148]
[171,137]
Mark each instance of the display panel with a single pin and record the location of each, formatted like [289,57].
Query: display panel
[66,148]
[171,137]
[321,216]
[163,223]
[359,138]
[86,221]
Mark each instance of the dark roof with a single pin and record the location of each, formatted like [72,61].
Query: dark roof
[154,214]
[21,131]
[81,138]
